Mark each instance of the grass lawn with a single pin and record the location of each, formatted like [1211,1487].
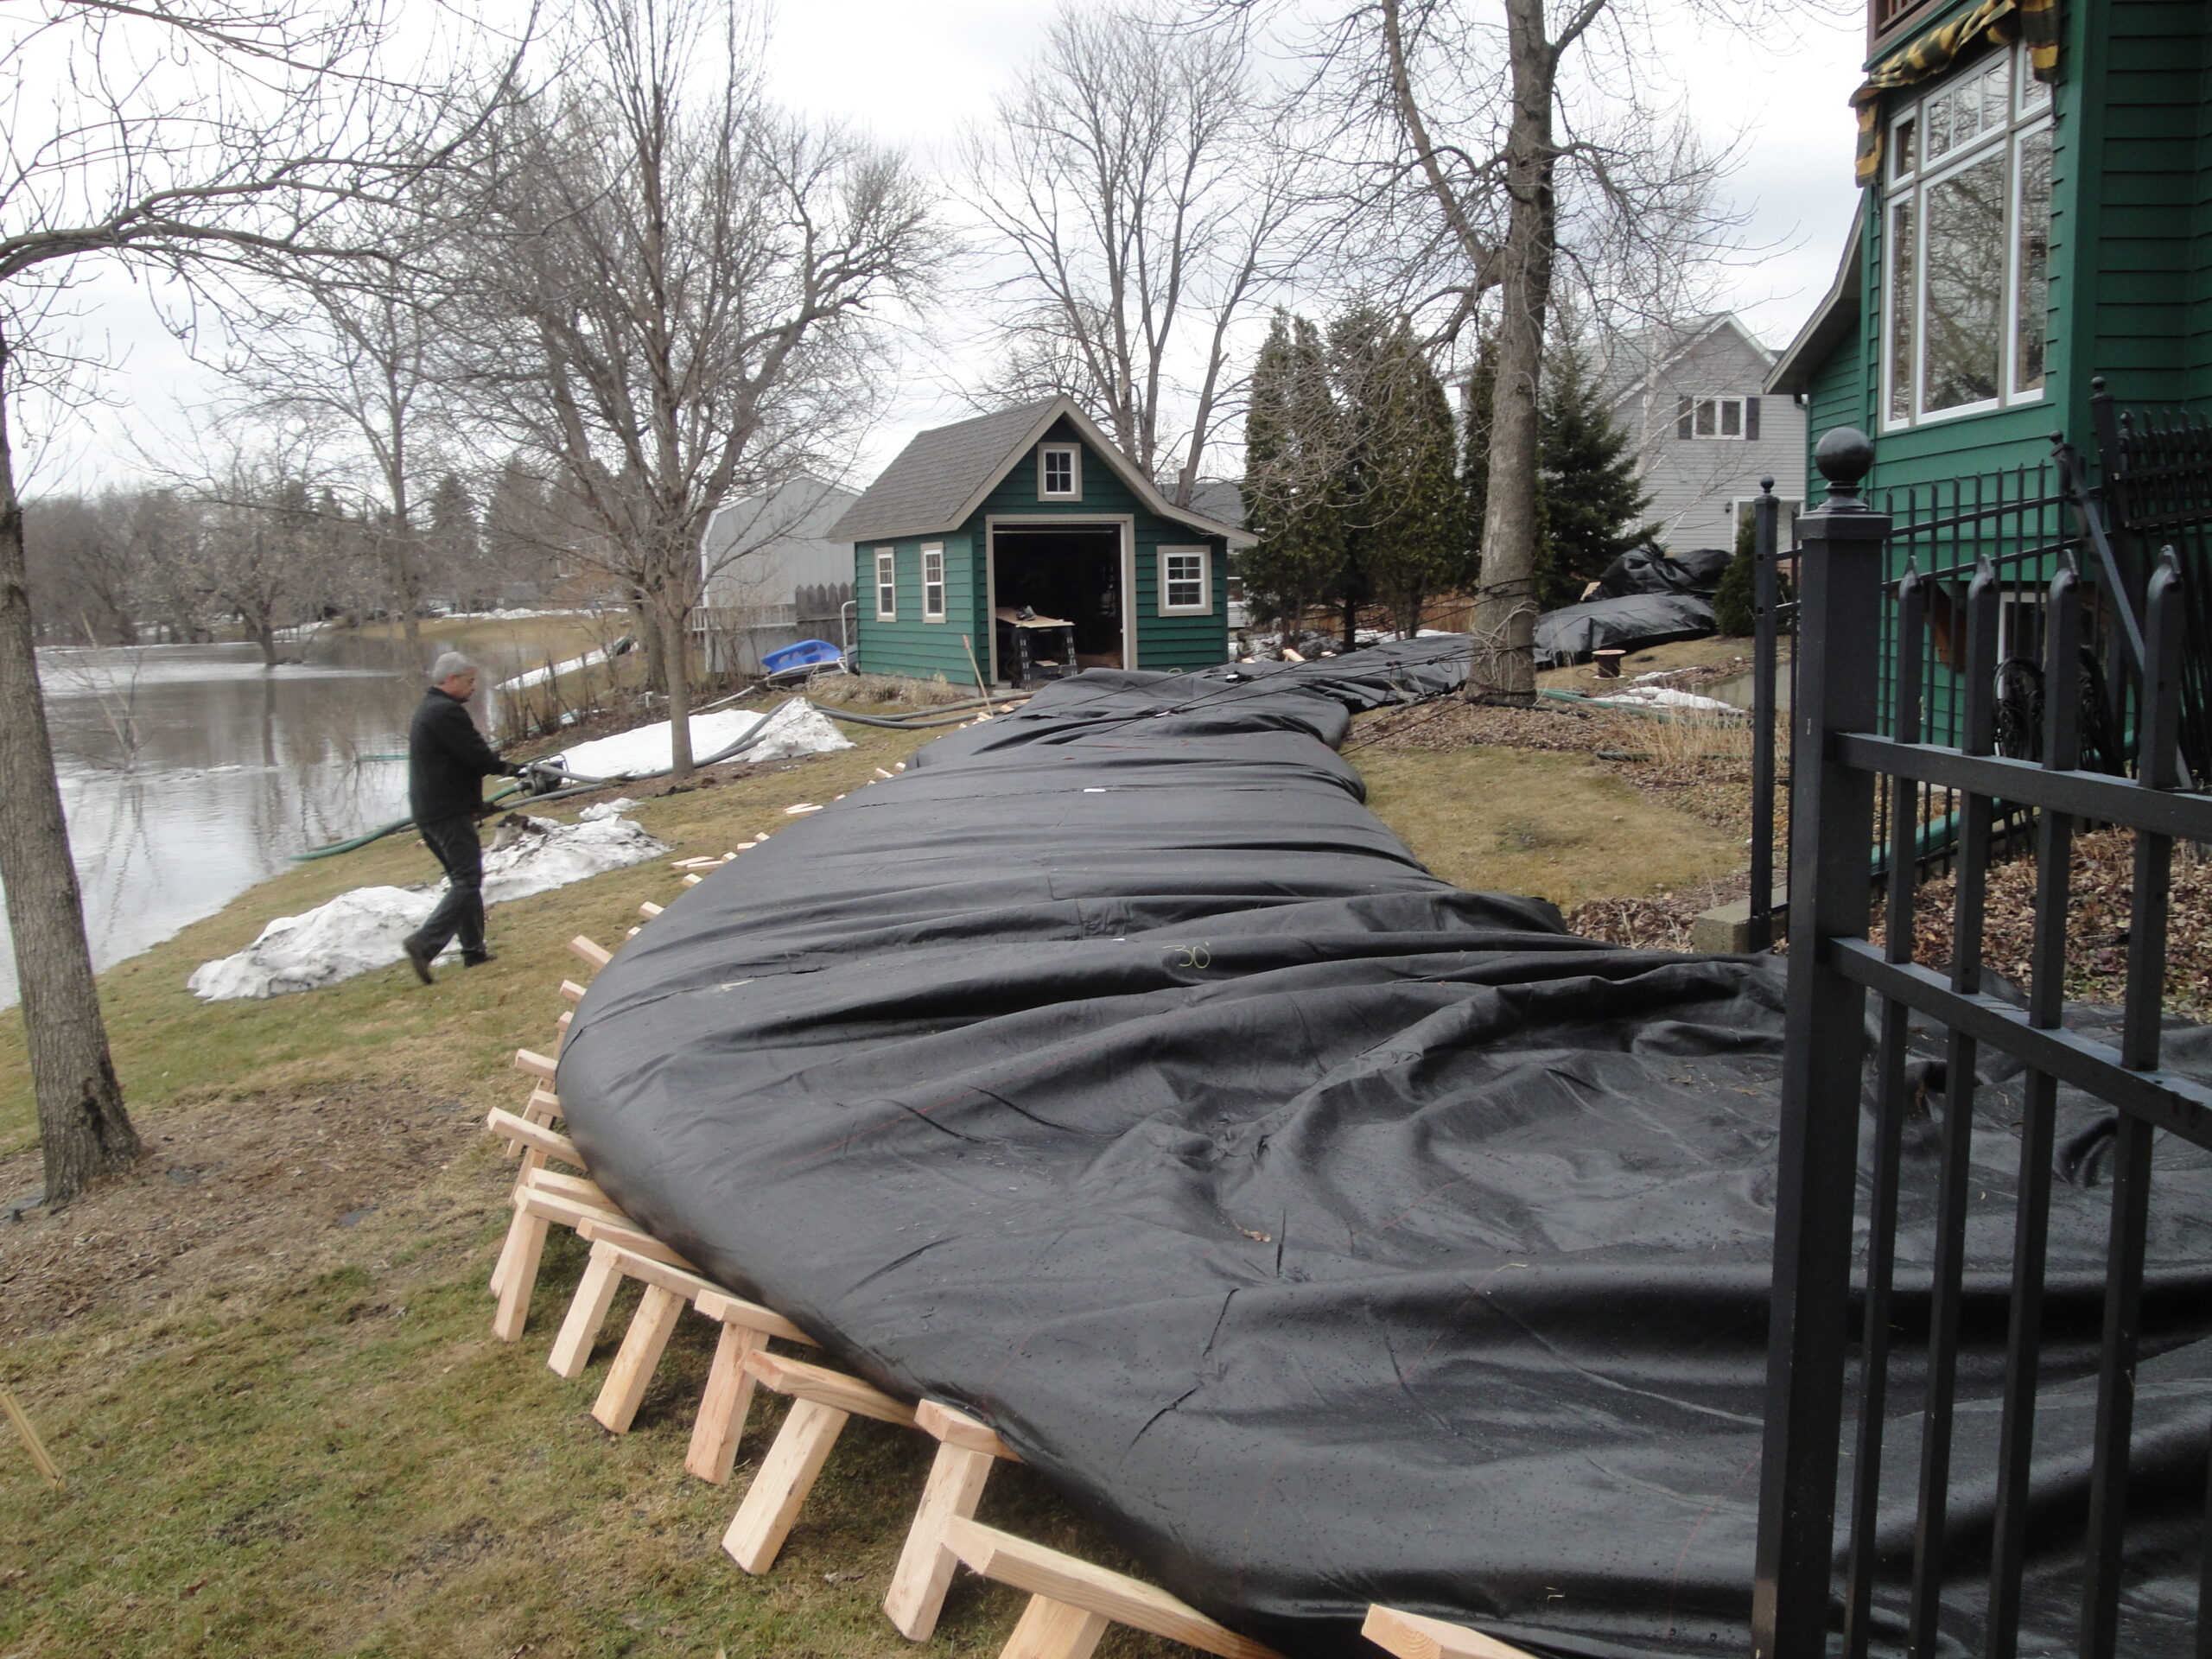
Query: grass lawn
[263,1358]
[1557,825]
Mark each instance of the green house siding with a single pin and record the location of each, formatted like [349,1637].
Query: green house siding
[2131,253]
[909,645]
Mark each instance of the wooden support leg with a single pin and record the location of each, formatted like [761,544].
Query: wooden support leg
[787,1475]
[649,1330]
[1052,1629]
[586,1313]
[510,1251]
[723,1409]
[924,1573]
[517,1274]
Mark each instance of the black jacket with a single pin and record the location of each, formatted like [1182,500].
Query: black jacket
[447,761]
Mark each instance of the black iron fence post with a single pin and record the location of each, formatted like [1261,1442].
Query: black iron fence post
[1831,823]
[1766,518]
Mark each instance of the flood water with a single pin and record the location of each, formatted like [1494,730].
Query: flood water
[189,772]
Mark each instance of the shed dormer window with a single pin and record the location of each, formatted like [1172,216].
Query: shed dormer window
[1059,472]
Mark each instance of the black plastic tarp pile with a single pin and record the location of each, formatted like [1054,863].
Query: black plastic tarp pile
[1330,1234]
[1646,571]
[1630,623]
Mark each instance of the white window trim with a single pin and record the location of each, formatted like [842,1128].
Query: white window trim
[1074,452]
[1740,400]
[932,550]
[2028,113]
[886,556]
[1205,583]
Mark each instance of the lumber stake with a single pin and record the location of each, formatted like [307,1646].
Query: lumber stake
[977,671]
[36,1447]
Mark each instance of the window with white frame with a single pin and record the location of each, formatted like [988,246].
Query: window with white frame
[1059,472]
[1967,244]
[1186,581]
[887,585]
[933,582]
[1716,417]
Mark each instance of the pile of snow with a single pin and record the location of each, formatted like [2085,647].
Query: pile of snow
[542,854]
[1663,696]
[589,659]
[796,728]
[359,931]
[355,932]
[613,809]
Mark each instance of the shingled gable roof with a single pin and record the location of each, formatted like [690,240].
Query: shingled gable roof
[942,476]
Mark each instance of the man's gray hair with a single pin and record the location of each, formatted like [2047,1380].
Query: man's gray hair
[447,665]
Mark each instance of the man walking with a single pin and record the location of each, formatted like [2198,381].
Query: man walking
[448,760]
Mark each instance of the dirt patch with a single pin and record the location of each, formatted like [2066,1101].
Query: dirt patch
[230,1194]
[2100,875]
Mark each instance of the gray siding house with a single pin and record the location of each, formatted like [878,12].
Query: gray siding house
[772,575]
[1694,403]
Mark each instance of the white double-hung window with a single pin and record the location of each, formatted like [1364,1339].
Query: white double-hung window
[887,585]
[1186,584]
[933,582]
[1966,267]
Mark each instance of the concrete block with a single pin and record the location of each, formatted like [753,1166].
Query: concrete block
[1726,929]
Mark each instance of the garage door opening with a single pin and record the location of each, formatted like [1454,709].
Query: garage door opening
[1074,575]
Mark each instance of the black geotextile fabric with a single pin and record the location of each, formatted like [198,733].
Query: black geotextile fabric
[1328,1234]
[1648,570]
[1572,632]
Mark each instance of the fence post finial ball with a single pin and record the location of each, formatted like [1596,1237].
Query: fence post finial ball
[1845,455]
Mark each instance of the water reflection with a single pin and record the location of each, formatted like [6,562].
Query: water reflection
[190,772]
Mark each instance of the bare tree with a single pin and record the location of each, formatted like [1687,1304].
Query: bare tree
[178,138]
[1492,149]
[1133,176]
[674,294]
[350,349]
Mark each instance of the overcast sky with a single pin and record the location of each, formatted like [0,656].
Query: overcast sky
[912,72]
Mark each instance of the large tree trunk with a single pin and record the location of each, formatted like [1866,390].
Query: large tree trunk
[84,1132]
[676,663]
[1503,669]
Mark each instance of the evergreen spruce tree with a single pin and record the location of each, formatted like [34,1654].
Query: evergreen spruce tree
[1419,545]
[1290,465]
[1733,600]
[1362,372]
[1589,502]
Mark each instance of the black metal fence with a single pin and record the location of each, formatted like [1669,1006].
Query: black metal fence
[1871,750]
[2157,493]
[2155,496]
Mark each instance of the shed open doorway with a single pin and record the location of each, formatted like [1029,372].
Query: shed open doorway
[1074,575]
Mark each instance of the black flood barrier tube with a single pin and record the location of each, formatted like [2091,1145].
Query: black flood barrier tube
[1327,1233]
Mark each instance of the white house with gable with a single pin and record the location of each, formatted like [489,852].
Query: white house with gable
[1692,399]
[772,575]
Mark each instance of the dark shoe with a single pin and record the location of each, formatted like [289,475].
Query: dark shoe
[419,959]
[478,958]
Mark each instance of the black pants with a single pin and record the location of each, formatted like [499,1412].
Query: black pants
[460,912]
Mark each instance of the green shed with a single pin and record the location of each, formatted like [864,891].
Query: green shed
[1024,516]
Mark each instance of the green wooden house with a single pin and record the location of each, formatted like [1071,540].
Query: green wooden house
[2031,256]
[2035,212]
[1032,511]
